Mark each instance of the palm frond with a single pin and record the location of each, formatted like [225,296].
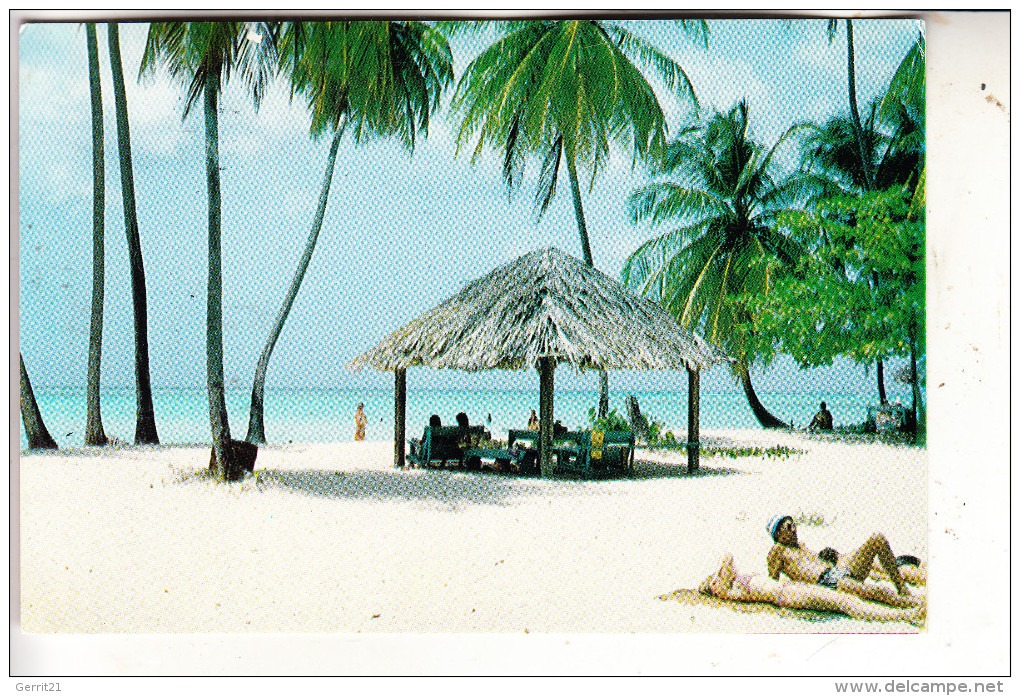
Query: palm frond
[907,86]
[672,74]
[831,27]
[548,176]
[666,200]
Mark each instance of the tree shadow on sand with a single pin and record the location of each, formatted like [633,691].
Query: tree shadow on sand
[117,450]
[448,489]
[651,469]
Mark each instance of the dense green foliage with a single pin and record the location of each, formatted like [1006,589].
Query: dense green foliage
[826,305]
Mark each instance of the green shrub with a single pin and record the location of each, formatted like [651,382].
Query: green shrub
[612,422]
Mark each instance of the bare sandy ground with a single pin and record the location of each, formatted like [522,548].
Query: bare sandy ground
[331,538]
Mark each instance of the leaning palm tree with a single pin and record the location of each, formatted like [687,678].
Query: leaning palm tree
[373,78]
[94,433]
[204,55]
[145,417]
[718,185]
[564,90]
[35,430]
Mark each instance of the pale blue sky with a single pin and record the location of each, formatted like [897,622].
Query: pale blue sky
[401,233]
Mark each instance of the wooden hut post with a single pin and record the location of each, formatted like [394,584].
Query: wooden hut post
[400,401]
[693,417]
[545,413]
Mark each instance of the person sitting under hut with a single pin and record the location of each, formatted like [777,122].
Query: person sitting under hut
[465,438]
[822,419]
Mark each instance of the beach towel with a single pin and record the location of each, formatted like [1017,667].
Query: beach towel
[695,598]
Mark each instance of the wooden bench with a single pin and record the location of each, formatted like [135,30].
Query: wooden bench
[571,452]
[596,454]
[444,444]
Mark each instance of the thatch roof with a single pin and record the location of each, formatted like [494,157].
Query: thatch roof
[544,304]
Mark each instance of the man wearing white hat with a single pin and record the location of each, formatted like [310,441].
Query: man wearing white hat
[790,557]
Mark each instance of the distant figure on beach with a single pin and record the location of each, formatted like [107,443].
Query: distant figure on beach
[912,569]
[435,421]
[788,556]
[727,583]
[822,419]
[360,421]
[533,421]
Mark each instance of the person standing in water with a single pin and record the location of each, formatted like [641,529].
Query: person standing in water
[533,420]
[360,421]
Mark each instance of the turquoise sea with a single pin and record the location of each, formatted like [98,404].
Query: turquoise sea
[326,415]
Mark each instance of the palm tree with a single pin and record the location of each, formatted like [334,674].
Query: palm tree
[94,433]
[855,116]
[563,90]
[910,81]
[145,417]
[859,157]
[907,87]
[203,55]
[718,185]
[375,78]
[35,430]
[893,147]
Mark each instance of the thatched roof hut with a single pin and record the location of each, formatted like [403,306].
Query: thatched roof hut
[543,309]
[545,304]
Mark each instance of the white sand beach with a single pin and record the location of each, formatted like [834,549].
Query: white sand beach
[331,538]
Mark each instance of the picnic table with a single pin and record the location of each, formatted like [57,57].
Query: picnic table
[594,454]
[587,454]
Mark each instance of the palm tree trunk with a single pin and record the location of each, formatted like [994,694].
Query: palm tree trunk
[225,468]
[766,419]
[869,181]
[94,434]
[917,403]
[575,190]
[256,422]
[855,114]
[35,430]
[145,424]
[546,369]
[880,379]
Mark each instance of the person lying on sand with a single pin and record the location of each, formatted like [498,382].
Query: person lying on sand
[788,556]
[912,569]
[727,583]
